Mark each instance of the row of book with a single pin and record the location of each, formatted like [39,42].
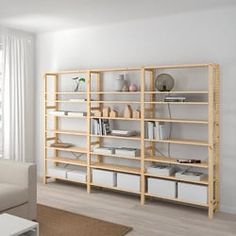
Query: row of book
[100,126]
[157,130]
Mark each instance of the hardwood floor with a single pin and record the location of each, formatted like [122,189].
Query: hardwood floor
[155,218]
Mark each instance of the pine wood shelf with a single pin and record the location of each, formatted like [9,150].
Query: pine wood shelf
[69,132]
[117,137]
[173,161]
[180,141]
[66,160]
[147,100]
[119,168]
[71,149]
[184,121]
[65,179]
[202,182]
[115,118]
[116,156]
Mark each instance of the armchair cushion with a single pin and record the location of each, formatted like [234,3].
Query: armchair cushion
[12,195]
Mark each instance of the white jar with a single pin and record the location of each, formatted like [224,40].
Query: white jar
[119,82]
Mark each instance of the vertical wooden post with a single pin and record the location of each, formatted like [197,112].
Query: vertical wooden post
[100,98]
[152,107]
[210,140]
[45,128]
[142,137]
[88,90]
[55,97]
[217,135]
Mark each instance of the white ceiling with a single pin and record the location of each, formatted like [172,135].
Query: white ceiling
[52,15]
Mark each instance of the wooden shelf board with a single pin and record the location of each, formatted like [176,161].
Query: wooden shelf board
[176,200]
[65,179]
[179,103]
[117,137]
[178,66]
[178,91]
[114,167]
[115,118]
[68,93]
[70,132]
[185,121]
[116,93]
[66,160]
[116,102]
[71,149]
[65,101]
[202,182]
[114,188]
[173,161]
[116,156]
[115,69]
[180,141]
[67,72]
[64,116]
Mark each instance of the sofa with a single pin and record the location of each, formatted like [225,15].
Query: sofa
[18,189]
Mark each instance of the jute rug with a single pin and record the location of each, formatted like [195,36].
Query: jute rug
[55,222]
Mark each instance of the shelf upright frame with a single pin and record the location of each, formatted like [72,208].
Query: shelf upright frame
[88,105]
[142,83]
[210,140]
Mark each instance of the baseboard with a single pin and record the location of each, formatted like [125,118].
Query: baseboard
[228,209]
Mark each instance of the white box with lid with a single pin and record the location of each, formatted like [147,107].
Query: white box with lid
[128,182]
[161,187]
[104,177]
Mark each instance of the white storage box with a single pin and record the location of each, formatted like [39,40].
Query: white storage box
[128,182]
[77,175]
[162,188]
[59,172]
[192,192]
[161,170]
[104,177]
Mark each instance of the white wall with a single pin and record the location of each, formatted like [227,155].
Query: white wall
[207,36]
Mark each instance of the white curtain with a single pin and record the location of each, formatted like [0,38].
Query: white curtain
[17,102]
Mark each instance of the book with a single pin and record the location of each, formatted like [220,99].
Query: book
[190,175]
[164,130]
[61,145]
[151,125]
[157,131]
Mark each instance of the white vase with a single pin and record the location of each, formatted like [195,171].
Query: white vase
[119,82]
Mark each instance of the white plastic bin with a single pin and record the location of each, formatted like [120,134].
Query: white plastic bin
[128,182]
[104,177]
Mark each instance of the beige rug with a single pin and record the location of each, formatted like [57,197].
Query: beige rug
[55,222]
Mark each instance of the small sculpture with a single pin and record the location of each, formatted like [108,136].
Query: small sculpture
[106,111]
[133,88]
[125,86]
[113,113]
[119,83]
[128,111]
[80,84]
[136,114]
[98,113]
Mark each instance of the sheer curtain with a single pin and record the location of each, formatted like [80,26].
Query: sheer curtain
[18,71]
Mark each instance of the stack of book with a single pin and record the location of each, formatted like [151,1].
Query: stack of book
[101,126]
[69,113]
[157,130]
[127,152]
[125,133]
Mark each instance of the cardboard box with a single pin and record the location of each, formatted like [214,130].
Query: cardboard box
[192,192]
[162,188]
[128,182]
[104,177]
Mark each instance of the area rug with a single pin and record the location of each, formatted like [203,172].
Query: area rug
[55,222]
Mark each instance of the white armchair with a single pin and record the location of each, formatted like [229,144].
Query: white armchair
[18,189]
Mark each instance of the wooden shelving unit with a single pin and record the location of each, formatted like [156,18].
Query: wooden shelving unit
[95,100]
